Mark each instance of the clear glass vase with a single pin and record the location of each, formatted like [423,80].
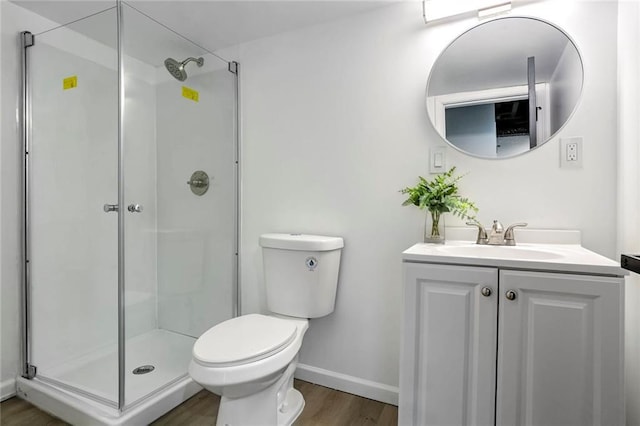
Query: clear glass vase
[434,228]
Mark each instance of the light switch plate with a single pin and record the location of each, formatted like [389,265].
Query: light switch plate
[571,152]
[438,159]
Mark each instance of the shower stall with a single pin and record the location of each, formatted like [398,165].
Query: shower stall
[130,213]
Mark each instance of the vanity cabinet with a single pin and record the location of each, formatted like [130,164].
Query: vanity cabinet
[487,345]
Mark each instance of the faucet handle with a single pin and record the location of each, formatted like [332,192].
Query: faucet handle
[509,235]
[482,233]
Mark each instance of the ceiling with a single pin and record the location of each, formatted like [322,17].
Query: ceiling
[495,55]
[212,24]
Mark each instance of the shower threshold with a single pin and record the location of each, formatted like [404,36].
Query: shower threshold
[79,410]
[84,390]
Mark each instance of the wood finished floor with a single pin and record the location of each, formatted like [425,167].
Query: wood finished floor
[324,406]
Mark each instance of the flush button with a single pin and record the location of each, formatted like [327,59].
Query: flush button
[311,263]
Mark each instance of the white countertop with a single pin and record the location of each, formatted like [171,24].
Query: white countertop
[571,258]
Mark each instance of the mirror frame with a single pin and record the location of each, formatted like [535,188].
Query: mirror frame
[501,94]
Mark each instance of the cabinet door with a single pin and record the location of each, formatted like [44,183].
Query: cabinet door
[448,360]
[560,355]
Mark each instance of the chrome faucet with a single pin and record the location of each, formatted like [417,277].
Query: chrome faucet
[498,236]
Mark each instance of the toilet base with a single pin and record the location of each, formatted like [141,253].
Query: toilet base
[295,404]
[279,404]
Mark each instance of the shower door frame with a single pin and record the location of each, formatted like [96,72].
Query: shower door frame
[27,39]
[121,245]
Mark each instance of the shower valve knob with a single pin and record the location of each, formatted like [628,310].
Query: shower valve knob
[134,208]
[198,183]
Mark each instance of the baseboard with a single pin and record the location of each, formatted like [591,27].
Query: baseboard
[7,389]
[351,384]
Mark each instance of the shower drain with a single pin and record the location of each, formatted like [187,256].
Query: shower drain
[143,369]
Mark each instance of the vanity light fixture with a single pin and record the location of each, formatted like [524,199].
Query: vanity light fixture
[433,10]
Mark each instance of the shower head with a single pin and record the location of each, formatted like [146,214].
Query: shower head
[176,69]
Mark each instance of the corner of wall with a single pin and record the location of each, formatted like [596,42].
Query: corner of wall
[7,389]
[9,271]
[628,198]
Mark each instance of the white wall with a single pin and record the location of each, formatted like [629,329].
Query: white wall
[196,234]
[628,193]
[3,391]
[7,327]
[14,20]
[334,124]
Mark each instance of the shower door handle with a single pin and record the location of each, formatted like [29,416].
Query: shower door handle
[110,208]
[134,208]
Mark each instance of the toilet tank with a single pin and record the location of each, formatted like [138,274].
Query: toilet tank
[301,273]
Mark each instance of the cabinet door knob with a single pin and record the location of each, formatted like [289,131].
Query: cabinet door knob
[486,291]
[511,295]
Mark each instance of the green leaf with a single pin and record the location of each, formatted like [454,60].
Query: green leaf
[440,195]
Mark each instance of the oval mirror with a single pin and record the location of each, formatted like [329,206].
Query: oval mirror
[504,87]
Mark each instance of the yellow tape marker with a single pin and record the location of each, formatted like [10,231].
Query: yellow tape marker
[70,82]
[190,93]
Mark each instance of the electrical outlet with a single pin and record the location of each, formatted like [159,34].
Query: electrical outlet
[571,153]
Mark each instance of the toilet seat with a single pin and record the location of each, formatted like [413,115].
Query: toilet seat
[243,340]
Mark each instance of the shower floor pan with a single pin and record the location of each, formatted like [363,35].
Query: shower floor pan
[86,389]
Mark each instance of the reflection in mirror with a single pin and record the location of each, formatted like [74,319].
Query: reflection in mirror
[504,87]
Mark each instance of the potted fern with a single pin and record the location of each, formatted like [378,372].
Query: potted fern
[439,196]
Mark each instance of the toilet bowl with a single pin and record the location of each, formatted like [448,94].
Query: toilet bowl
[250,360]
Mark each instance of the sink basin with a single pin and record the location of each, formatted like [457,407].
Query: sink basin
[498,252]
[545,250]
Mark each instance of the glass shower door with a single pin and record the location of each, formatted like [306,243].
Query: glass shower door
[180,200]
[72,174]
[144,201]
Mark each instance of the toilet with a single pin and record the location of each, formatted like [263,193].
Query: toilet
[250,360]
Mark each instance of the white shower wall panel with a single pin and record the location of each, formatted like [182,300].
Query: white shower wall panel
[195,238]
[140,188]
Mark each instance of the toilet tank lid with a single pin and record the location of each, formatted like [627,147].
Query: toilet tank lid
[301,242]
